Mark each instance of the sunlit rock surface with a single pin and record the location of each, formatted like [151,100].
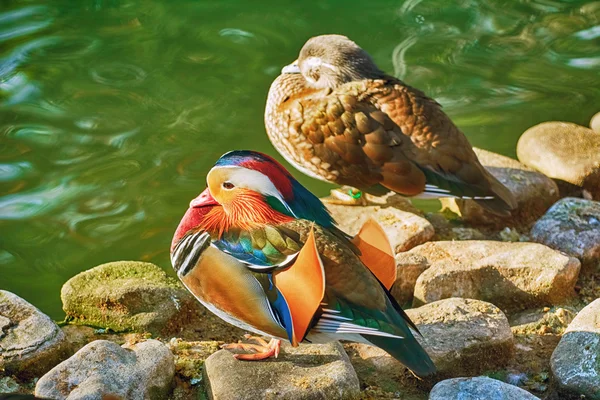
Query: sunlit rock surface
[404,229]
[306,372]
[511,276]
[136,296]
[564,151]
[103,369]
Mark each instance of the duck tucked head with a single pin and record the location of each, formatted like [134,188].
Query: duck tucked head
[247,189]
[328,61]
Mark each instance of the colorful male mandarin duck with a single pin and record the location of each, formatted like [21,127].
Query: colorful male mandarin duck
[263,253]
[335,116]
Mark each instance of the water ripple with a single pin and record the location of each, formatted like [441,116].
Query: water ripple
[118,74]
[16,23]
[39,201]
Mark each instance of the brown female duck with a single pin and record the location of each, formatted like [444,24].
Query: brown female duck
[335,116]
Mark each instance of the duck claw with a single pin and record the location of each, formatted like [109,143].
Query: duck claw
[260,351]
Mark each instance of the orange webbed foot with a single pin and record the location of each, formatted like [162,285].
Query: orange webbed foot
[262,350]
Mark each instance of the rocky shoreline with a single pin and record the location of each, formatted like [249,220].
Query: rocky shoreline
[505,305]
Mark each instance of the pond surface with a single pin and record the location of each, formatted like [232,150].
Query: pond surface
[112,111]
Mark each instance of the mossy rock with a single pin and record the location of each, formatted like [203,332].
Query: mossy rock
[130,296]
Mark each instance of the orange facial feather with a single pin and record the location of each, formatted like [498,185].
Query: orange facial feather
[247,211]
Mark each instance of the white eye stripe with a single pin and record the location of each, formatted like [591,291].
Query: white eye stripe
[254,180]
[313,62]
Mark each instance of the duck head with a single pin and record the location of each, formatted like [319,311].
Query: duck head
[247,189]
[328,61]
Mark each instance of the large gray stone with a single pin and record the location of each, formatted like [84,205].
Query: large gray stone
[30,342]
[533,191]
[572,226]
[462,336]
[480,388]
[404,229]
[103,369]
[305,372]
[564,151]
[135,296]
[510,275]
[576,360]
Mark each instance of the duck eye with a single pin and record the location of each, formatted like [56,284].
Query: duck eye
[228,185]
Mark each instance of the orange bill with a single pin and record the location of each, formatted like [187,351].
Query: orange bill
[377,254]
[303,287]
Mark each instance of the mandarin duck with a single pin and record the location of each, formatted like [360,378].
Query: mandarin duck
[335,116]
[264,254]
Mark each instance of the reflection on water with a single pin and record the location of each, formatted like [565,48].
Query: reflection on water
[111,111]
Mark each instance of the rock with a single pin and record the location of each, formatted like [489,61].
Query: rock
[405,230]
[30,342]
[564,151]
[135,296]
[512,276]
[341,196]
[190,357]
[306,372]
[542,321]
[408,269]
[534,193]
[573,227]
[8,385]
[576,360]
[463,336]
[478,388]
[103,369]
[595,122]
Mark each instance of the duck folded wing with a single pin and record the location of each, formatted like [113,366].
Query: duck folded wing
[442,151]
[353,142]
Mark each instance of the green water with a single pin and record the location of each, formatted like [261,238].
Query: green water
[112,112]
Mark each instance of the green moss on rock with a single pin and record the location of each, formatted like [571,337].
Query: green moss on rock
[129,296]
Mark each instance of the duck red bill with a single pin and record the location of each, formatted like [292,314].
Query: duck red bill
[205,199]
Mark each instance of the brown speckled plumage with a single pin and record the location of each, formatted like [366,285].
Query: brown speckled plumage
[344,121]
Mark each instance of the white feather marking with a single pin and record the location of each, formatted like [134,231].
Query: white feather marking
[333,324]
[254,180]
[337,317]
[315,62]
[433,188]
[434,192]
